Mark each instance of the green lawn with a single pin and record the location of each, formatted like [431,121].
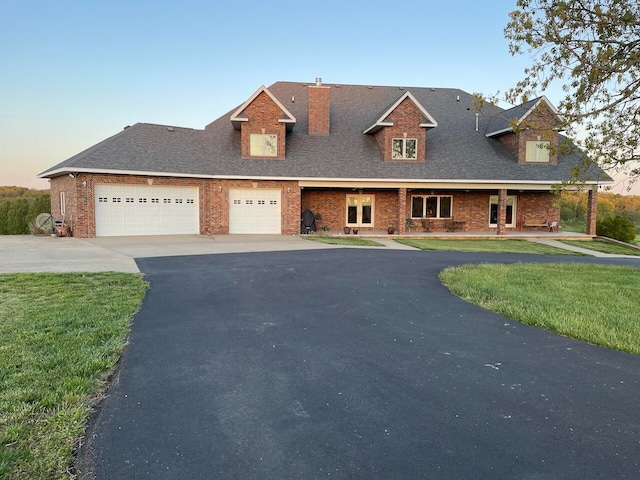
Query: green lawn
[60,337]
[496,246]
[355,241]
[603,246]
[578,226]
[594,303]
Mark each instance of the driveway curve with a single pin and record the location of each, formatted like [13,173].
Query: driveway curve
[354,364]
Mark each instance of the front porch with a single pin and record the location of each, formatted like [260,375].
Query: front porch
[485,235]
[446,212]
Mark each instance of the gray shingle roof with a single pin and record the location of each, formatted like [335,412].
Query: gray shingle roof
[455,150]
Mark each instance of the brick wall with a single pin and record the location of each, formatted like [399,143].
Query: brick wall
[332,204]
[319,110]
[592,209]
[69,186]
[469,207]
[263,115]
[510,140]
[213,199]
[538,205]
[540,125]
[406,118]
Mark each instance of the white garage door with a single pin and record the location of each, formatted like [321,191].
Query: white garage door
[146,210]
[254,211]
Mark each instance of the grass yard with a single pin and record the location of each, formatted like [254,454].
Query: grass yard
[593,303]
[353,241]
[495,246]
[60,337]
[603,246]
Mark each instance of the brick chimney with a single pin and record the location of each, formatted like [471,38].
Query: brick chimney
[319,107]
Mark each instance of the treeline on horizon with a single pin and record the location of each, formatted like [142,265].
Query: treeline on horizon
[19,207]
[573,207]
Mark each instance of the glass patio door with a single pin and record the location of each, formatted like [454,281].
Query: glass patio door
[511,211]
[360,210]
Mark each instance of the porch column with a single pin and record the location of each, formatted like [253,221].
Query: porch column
[592,209]
[402,210]
[502,211]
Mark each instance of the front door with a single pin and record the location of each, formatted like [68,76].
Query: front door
[511,211]
[360,210]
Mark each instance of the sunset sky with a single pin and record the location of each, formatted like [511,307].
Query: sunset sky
[77,72]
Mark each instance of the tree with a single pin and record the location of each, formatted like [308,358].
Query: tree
[16,216]
[592,48]
[4,210]
[40,204]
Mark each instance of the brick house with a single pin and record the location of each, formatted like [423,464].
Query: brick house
[367,157]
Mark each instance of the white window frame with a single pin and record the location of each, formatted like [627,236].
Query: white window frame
[493,200]
[404,149]
[359,204]
[538,153]
[259,141]
[424,206]
[63,204]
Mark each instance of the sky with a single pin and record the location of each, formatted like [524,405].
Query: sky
[76,72]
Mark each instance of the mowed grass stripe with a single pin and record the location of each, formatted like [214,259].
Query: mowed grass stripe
[598,304]
[60,336]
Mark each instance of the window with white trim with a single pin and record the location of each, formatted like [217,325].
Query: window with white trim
[63,204]
[404,148]
[431,206]
[537,151]
[263,145]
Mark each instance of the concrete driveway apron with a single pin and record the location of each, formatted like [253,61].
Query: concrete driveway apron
[354,364]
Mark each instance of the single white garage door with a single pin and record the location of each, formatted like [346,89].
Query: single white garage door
[146,210]
[254,211]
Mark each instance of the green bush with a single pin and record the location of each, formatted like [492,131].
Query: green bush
[17,217]
[16,213]
[618,228]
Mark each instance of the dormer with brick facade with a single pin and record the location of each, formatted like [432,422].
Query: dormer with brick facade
[263,123]
[530,132]
[401,130]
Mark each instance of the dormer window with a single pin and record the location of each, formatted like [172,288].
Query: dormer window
[537,151]
[404,148]
[263,145]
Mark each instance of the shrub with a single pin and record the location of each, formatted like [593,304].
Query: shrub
[618,228]
[17,216]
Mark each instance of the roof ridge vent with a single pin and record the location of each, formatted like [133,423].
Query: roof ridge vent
[170,129]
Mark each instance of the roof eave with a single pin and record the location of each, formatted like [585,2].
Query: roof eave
[498,132]
[66,170]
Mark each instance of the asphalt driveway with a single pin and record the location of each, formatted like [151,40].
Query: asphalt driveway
[354,364]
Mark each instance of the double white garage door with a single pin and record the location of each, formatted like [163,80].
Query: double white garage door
[146,210]
[155,210]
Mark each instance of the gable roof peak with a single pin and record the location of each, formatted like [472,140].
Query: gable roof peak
[287,117]
[429,121]
[518,114]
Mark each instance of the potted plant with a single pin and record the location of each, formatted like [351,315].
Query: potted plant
[347,230]
[391,230]
[355,231]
